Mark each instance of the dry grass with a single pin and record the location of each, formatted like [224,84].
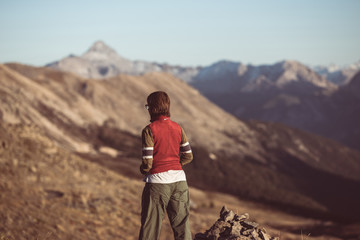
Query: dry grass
[62,196]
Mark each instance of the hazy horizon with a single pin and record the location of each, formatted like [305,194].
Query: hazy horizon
[183,33]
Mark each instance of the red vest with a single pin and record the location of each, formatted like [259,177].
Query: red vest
[167,138]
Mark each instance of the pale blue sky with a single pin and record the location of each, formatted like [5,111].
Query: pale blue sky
[183,32]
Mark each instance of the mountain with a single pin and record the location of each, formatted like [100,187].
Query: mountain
[344,111]
[336,74]
[55,96]
[101,121]
[101,61]
[287,92]
[234,77]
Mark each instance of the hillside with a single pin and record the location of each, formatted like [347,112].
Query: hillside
[332,114]
[49,193]
[101,121]
[286,92]
[344,112]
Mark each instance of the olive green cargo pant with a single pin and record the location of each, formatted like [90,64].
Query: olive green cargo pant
[158,198]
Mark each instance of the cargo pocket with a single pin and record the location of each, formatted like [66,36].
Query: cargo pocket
[178,211]
[181,196]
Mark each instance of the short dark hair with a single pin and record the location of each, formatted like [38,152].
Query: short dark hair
[159,104]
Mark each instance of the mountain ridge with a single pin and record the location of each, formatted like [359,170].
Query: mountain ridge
[288,91]
[335,74]
[101,61]
[250,160]
[340,75]
[226,76]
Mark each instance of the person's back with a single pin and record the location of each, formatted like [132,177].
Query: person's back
[166,187]
[167,138]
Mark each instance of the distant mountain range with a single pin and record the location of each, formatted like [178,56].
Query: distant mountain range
[339,75]
[101,121]
[101,61]
[287,92]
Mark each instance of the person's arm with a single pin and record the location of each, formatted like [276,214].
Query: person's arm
[186,155]
[147,150]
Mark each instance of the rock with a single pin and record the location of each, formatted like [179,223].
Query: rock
[235,232]
[200,236]
[255,235]
[236,229]
[229,216]
[15,162]
[218,228]
[223,211]
[54,193]
[264,236]
[249,224]
[226,215]
[109,151]
[241,217]
[193,205]
[33,169]
[231,226]
[247,232]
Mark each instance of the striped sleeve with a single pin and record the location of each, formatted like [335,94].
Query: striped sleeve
[147,150]
[186,155]
[185,148]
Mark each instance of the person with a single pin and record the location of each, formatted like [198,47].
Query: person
[165,149]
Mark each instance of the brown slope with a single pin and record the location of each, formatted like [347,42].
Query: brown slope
[230,156]
[49,193]
[123,99]
[27,101]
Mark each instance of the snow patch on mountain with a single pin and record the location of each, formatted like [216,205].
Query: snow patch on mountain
[339,75]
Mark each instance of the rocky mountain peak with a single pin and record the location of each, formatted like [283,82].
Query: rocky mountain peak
[100,46]
[292,66]
[100,51]
[293,71]
[219,70]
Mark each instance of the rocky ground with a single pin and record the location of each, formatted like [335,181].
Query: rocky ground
[47,192]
